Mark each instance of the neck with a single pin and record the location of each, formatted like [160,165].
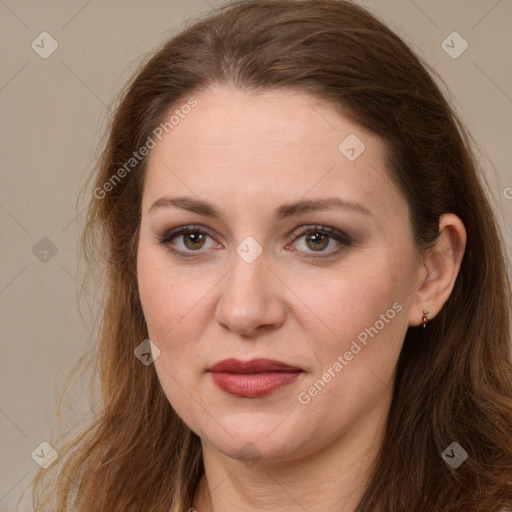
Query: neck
[334,478]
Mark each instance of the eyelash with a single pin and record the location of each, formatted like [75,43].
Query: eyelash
[331,233]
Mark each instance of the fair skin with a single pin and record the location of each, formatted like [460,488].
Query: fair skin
[249,154]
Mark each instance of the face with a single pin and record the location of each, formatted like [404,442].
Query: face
[323,287]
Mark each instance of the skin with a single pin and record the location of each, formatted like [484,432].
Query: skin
[248,154]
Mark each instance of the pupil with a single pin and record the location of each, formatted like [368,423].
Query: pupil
[319,239]
[194,237]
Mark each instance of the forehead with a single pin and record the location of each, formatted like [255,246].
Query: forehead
[229,117]
[245,147]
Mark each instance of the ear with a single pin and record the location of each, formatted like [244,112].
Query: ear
[441,265]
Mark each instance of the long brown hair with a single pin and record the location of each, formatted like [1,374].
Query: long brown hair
[453,383]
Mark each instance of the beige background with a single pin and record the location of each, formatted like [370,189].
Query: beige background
[53,112]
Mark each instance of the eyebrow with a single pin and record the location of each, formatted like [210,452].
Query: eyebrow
[286,210]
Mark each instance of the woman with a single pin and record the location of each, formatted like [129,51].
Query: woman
[290,211]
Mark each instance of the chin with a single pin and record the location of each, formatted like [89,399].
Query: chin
[258,442]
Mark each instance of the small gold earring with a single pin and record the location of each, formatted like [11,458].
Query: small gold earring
[425,318]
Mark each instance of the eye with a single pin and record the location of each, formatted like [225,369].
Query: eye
[318,238]
[193,238]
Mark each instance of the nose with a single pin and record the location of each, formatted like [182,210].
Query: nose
[251,297]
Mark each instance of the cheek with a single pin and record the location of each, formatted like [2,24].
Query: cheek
[345,307]
[174,311]
[156,295]
[165,311]
[359,325]
[166,299]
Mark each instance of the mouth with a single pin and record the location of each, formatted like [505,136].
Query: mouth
[254,378]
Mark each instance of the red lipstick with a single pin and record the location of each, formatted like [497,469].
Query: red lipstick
[254,378]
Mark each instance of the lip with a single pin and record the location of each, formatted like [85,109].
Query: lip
[253,366]
[254,378]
